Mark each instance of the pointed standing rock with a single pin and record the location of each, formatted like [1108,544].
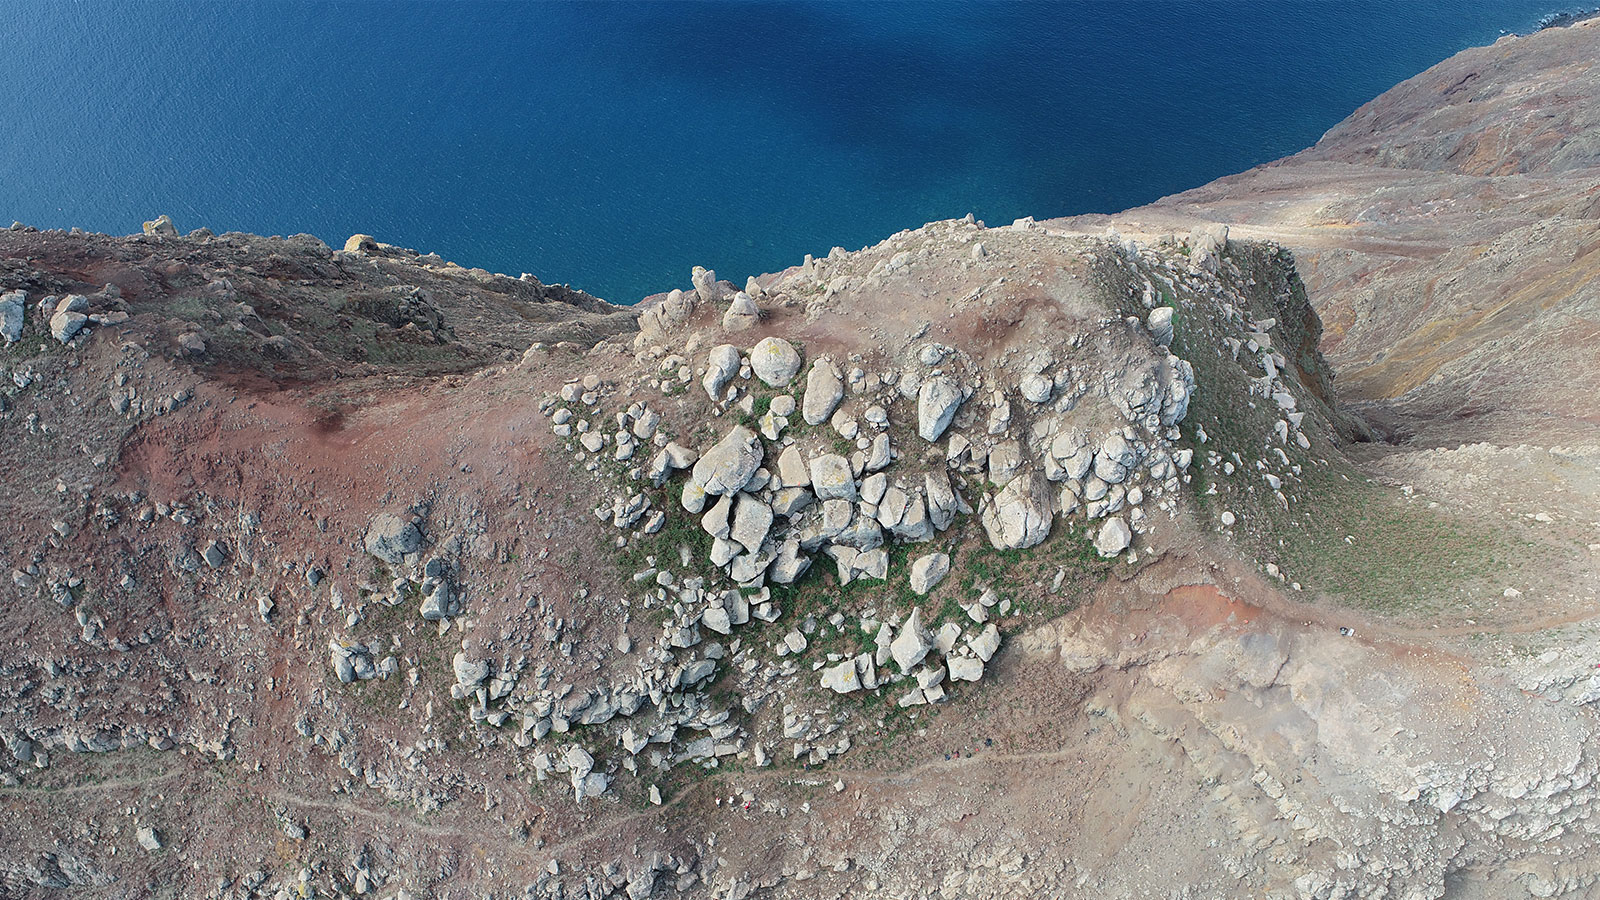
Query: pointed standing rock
[742,313]
[912,644]
[705,284]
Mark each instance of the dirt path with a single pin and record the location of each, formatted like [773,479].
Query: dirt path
[109,784]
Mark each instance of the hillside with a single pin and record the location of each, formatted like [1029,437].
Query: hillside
[1243,545]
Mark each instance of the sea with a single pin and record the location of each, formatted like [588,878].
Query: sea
[614,145]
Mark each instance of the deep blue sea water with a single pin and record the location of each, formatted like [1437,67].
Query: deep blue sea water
[614,145]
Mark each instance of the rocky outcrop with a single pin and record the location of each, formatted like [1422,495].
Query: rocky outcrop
[391,538]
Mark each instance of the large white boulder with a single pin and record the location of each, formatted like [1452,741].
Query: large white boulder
[705,284]
[721,366]
[775,361]
[986,643]
[1115,458]
[11,315]
[1114,537]
[727,467]
[390,538]
[64,326]
[842,678]
[1037,388]
[470,672]
[752,519]
[912,644]
[937,402]
[1160,323]
[742,313]
[824,390]
[831,478]
[942,501]
[1021,514]
[792,468]
[964,668]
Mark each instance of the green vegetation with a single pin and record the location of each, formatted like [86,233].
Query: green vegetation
[1368,545]
[1337,533]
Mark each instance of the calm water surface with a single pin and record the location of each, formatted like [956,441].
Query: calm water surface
[614,145]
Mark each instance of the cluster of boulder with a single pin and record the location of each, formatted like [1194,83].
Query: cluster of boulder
[773,496]
[683,724]
[816,465]
[398,541]
[768,521]
[913,648]
[353,661]
[65,318]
